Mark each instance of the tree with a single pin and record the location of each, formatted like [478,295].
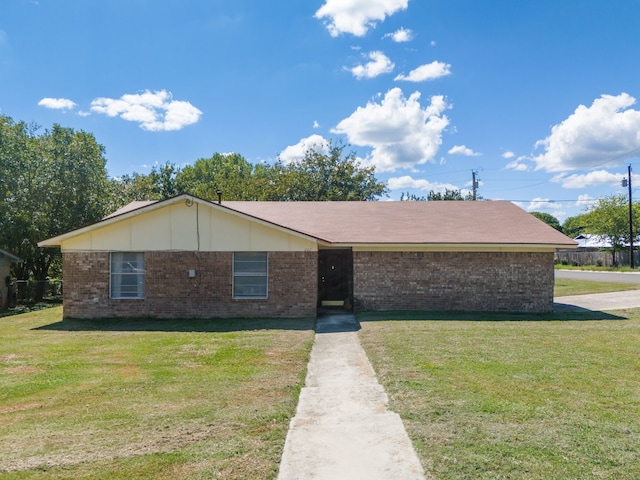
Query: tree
[319,175]
[453,194]
[159,184]
[331,175]
[58,182]
[609,219]
[574,226]
[548,219]
[231,173]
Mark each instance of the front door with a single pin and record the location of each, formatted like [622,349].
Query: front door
[334,271]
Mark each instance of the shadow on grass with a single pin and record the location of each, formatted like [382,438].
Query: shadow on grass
[561,313]
[179,325]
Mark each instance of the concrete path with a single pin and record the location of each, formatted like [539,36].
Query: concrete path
[342,428]
[599,301]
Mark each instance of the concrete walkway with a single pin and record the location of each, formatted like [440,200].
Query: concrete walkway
[599,301]
[342,428]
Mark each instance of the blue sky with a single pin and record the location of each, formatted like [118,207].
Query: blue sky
[538,96]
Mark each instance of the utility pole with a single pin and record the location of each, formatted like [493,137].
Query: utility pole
[474,184]
[627,183]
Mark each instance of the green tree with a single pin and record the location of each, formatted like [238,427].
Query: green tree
[320,175]
[159,184]
[448,194]
[231,173]
[609,219]
[574,226]
[58,182]
[548,219]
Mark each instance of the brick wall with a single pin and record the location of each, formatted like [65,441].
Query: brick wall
[169,293]
[466,281]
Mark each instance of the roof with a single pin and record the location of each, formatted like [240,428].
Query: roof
[379,223]
[443,222]
[7,258]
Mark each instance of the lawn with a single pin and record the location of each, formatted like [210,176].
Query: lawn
[514,396]
[139,399]
[565,286]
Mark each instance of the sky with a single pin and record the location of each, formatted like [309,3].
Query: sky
[538,97]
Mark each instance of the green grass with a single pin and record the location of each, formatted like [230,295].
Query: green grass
[565,286]
[134,399]
[596,268]
[510,397]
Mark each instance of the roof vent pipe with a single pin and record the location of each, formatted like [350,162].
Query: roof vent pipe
[219,193]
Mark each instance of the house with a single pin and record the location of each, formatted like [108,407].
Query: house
[6,289]
[188,257]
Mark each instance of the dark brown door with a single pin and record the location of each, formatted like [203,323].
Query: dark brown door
[334,272]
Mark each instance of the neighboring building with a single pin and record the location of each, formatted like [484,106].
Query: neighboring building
[6,290]
[187,257]
[588,241]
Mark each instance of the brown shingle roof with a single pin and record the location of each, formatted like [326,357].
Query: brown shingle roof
[444,222]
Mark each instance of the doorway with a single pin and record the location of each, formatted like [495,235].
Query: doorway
[335,277]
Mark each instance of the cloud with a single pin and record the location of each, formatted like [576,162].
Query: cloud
[517,166]
[538,204]
[508,154]
[400,132]
[378,65]
[462,150]
[585,200]
[57,103]
[316,124]
[401,35]
[601,134]
[356,16]
[154,111]
[599,177]
[297,151]
[430,71]
[408,182]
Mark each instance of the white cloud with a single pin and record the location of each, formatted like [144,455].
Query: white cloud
[408,182]
[154,111]
[316,124]
[400,132]
[508,154]
[429,71]
[462,150]
[356,16]
[538,204]
[585,200]
[57,103]
[517,166]
[401,35]
[601,134]
[297,151]
[378,65]
[599,177]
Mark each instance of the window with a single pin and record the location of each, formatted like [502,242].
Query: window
[127,275]
[250,275]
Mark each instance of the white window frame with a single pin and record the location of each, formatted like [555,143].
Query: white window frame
[116,275]
[245,274]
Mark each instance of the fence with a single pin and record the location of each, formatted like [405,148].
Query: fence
[26,289]
[600,258]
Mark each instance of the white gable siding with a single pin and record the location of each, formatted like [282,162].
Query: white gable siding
[179,227]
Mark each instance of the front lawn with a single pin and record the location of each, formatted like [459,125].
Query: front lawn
[511,396]
[566,286]
[139,399]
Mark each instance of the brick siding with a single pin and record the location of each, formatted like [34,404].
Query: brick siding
[465,281]
[169,293]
